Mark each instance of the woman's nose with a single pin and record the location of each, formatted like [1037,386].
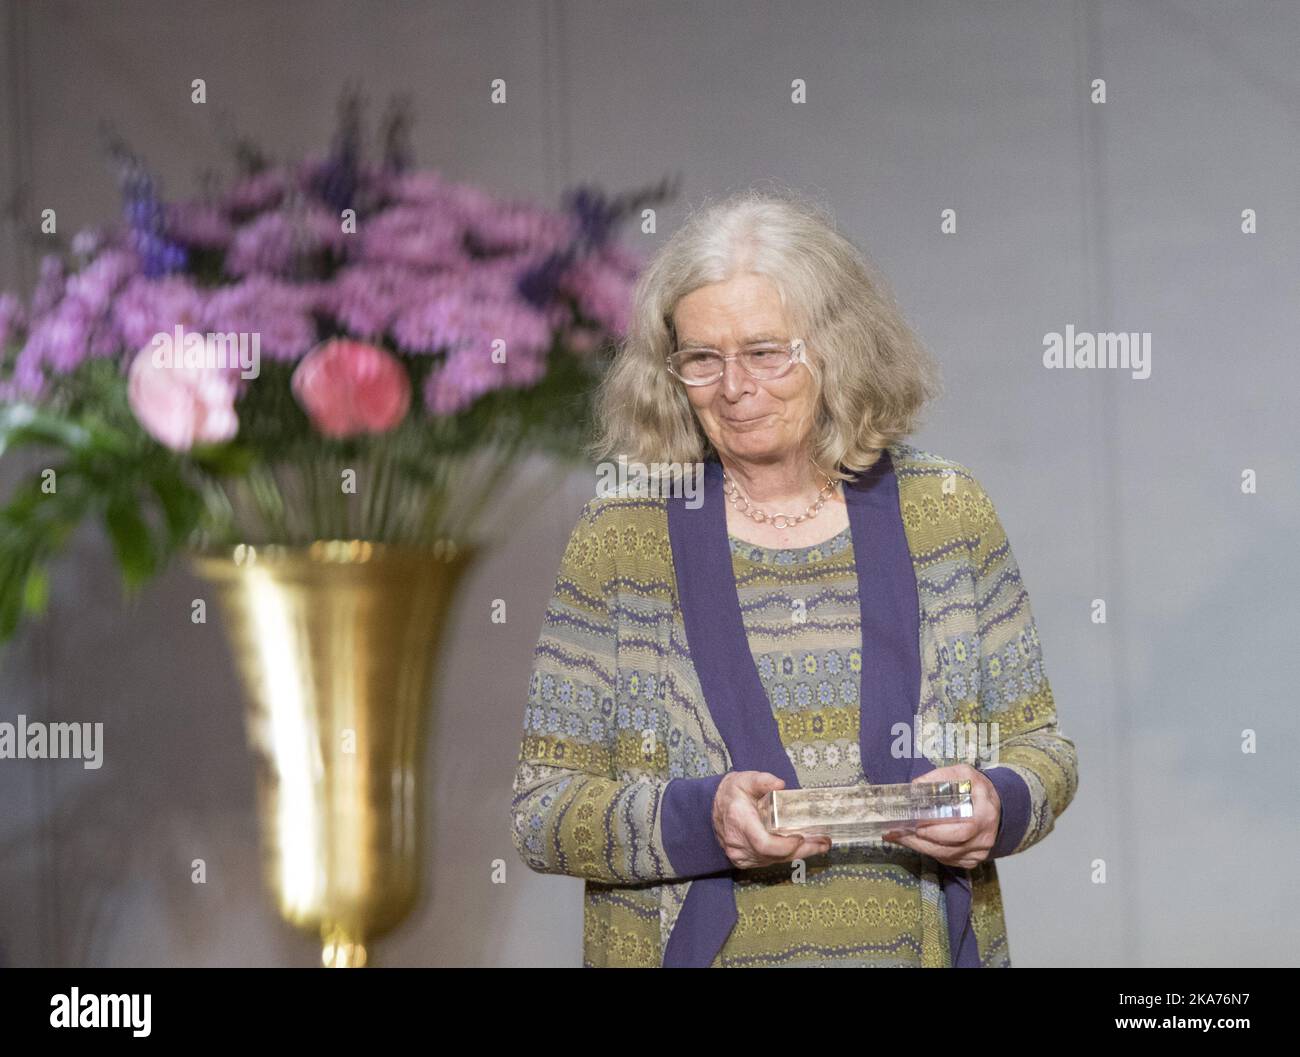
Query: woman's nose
[735,379]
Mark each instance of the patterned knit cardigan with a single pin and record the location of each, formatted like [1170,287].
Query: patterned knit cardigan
[615,711]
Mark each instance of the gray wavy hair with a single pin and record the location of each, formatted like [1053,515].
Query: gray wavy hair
[873,375]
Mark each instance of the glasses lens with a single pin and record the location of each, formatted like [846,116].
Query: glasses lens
[766,361]
[697,365]
[702,366]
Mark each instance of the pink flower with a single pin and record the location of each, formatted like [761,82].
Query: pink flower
[348,387]
[180,406]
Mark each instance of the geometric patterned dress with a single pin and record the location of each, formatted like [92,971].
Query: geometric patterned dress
[856,906]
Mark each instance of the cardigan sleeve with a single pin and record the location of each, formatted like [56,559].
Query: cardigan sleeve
[591,795]
[1036,772]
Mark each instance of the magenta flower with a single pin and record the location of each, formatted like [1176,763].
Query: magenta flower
[348,387]
[180,406]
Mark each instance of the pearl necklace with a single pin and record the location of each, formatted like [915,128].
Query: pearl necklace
[780,521]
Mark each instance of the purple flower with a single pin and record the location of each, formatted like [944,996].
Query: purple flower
[275,242]
[336,180]
[80,323]
[364,298]
[279,312]
[49,285]
[151,306]
[456,316]
[516,226]
[12,319]
[415,188]
[199,224]
[98,282]
[161,256]
[260,191]
[59,340]
[413,236]
[89,241]
[146,218]
[27,382]
[443,320]
[471,330]
[602,285]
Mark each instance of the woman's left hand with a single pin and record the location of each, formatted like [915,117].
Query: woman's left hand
[960,842]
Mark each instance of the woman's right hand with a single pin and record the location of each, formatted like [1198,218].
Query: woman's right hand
[740,830]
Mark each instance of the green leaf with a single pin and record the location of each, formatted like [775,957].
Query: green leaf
[131,539]
[89,442]
[34,527]
[10,613]
[228,458]
[27,424]
[182,506]
[36,592]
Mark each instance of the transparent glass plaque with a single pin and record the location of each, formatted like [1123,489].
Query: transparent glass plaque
[846,813]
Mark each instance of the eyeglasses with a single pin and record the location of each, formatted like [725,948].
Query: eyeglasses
[765,361]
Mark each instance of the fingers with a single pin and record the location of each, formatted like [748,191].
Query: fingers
[942,852]
[756,845]
[811,846]
[743,834]
[965,854]
[954,773]
[758,783]
[769,847]
[952,834]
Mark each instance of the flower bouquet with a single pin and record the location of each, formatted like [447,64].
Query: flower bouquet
[314,382]
[335,348]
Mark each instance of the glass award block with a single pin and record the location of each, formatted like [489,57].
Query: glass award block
[847,813]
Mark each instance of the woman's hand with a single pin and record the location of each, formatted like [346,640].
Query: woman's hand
[962,842]
[740,830]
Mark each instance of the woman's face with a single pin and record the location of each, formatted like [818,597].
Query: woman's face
[748,420]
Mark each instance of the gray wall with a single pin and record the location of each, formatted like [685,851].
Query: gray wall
[1117,217]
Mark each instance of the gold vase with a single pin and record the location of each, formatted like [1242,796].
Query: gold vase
[336,643]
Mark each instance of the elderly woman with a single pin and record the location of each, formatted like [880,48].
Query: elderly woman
[837,598]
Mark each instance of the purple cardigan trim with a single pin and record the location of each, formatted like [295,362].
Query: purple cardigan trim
[686,821]
[1014,795]
[889,690]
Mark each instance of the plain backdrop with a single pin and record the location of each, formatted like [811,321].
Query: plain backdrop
[1122,216]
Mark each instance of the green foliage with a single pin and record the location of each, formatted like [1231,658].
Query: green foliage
[153,503]
[98,470]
